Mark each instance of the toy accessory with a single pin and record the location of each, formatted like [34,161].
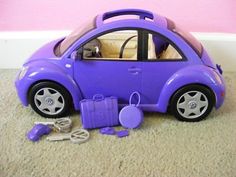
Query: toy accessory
[122,133]
[131,116]
[61,125]
[112,131]
[77,136]
[107,131]
[37,131]
[99,112]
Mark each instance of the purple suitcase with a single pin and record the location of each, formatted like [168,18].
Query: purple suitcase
[99,112]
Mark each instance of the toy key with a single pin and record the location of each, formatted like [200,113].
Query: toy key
[62,124]
[77,136]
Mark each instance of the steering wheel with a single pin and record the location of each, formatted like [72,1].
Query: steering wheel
[124,45]
[92,49]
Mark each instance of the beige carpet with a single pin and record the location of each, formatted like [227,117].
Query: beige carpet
[163,146]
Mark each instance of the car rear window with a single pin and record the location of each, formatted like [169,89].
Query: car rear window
[188,37]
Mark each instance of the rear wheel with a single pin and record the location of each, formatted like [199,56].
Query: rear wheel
[192,103]
[49,99]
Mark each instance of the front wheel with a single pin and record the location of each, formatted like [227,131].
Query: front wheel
[192,103]
[49,99]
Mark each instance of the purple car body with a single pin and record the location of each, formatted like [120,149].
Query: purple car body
[156,81]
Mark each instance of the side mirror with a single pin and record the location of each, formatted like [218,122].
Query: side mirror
[77,54]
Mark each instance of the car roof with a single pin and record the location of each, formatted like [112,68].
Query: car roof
[100,23]
[156,19]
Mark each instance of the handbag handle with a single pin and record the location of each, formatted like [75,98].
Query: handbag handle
[132,95]
[98,97]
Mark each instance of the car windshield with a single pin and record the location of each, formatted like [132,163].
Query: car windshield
[74,36]
[189,38]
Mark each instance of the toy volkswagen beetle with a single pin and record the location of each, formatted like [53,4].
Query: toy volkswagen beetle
[149,54]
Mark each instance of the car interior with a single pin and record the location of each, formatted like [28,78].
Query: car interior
[122,45]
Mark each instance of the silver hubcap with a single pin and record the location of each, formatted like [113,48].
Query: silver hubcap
[49,101]
[192,104]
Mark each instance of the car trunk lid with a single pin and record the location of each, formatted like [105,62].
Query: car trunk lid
[206,59]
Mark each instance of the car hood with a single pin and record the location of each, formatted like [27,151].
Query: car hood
[45,52]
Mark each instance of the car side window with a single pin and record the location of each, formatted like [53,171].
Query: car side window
[116,45]
[160,49]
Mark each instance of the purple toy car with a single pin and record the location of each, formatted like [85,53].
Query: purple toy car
[141,52]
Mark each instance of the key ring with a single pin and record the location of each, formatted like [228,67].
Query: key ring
[79,136]
[63,124]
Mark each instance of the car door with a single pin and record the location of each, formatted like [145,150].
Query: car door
[103,68]
[162,61]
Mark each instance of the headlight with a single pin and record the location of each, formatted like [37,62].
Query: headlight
[23,71]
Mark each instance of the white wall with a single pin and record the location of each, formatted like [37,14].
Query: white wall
[16,47]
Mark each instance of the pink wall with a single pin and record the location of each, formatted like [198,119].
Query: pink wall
[193,15]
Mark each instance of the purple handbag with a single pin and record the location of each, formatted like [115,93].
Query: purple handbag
[131,116]
[99,112]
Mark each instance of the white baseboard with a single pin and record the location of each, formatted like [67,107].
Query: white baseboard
[221,47]
[16,47]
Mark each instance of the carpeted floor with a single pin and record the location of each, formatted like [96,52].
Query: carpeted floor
[163,146]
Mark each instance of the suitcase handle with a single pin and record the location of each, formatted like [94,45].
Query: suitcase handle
[131,96]
[98,97]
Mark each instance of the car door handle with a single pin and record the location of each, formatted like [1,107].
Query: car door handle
[134,70]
